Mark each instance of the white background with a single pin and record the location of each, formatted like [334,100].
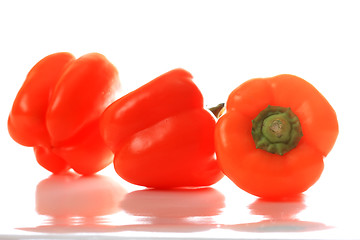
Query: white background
[222,43]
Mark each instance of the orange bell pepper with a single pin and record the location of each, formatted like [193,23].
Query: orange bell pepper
[57,111]
[274,135]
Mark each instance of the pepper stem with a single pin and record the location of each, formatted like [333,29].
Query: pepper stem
[218,110]
[276,130]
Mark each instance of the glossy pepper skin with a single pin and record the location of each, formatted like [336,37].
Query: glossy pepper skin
[57,111]
[161,134]
[275,175]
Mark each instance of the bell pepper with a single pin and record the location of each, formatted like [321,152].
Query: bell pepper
[273,137]
[57,111]
[161,134]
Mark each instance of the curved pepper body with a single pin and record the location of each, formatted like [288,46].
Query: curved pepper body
[266,174]
[57,111]
[161,135]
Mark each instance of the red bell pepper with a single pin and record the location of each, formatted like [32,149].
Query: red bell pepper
[57,111]
[161,135]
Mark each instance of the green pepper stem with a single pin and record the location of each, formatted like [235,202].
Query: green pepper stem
[276,130]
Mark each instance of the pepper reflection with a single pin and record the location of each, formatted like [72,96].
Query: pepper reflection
[76,203]
[280,216]
[180,210]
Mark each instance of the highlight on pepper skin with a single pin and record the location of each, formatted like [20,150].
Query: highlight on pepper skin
[275,133]
[161,135]
[57,111]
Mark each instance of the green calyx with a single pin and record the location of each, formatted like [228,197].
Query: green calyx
[276,130]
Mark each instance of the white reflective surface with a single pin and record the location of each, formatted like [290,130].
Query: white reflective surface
[222,43]
[37,205]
